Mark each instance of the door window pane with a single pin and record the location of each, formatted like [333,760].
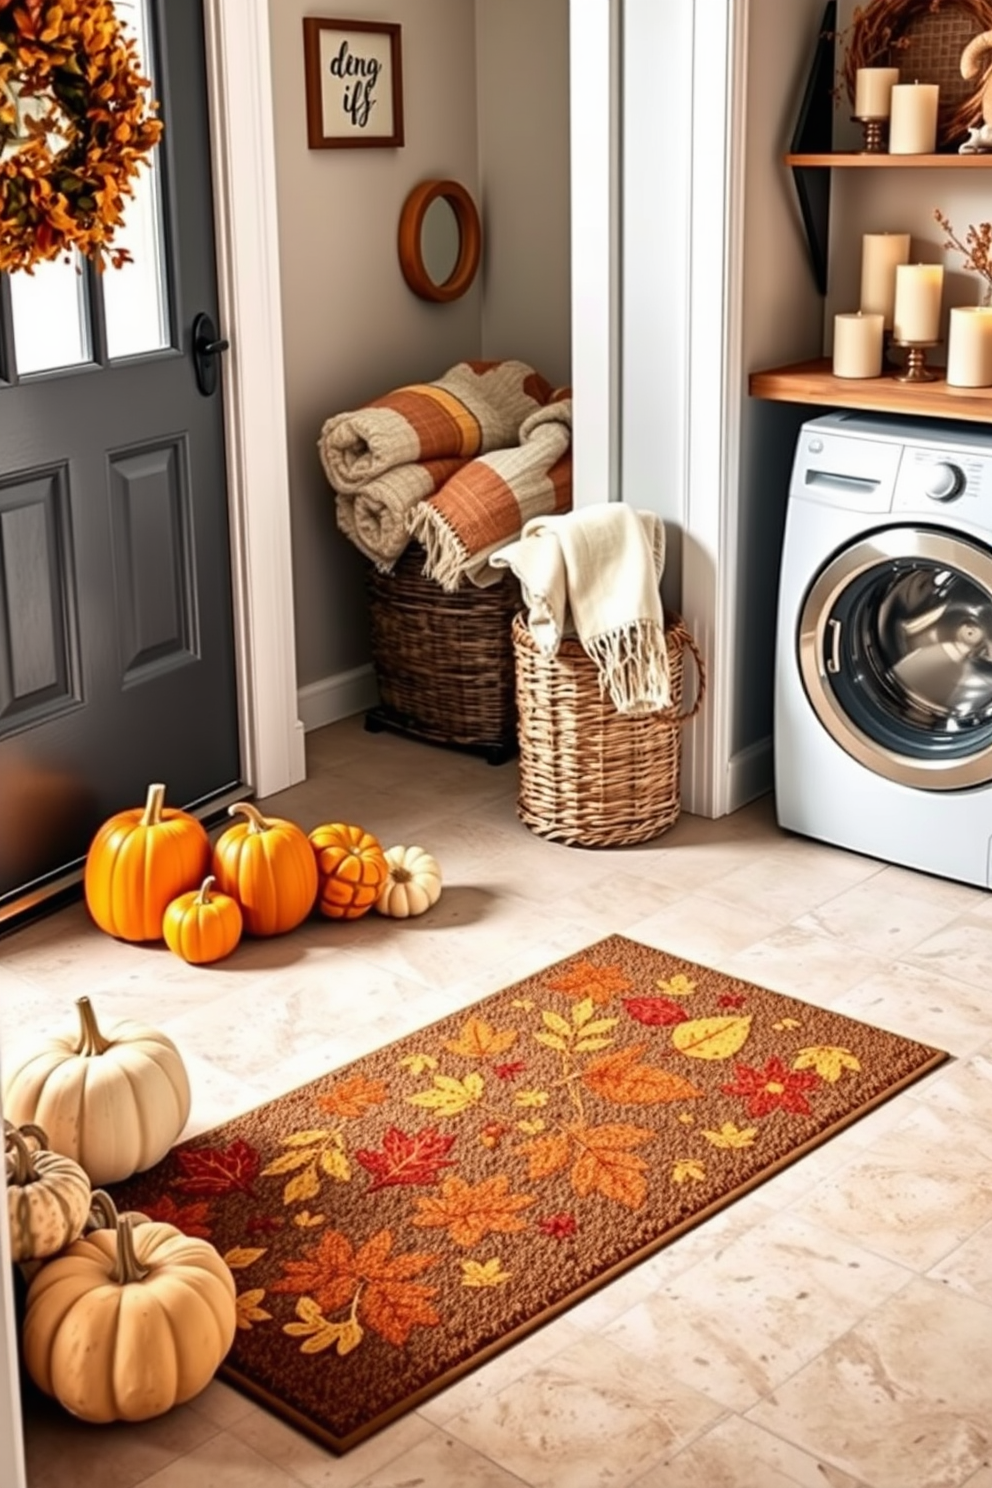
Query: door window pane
[51,324]
[135,296]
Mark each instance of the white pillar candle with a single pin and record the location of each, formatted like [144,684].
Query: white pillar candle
[969,347]
[916,314]
[880,253]
[873,91]
[913,121]
[858,344]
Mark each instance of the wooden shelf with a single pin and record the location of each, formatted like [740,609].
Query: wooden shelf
[884,161]
[813,382]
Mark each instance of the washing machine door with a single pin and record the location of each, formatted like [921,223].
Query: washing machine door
[895,651]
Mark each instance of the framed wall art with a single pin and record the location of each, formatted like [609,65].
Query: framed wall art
[354,83]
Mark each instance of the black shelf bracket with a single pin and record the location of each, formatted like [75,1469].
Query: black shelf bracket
[814,136]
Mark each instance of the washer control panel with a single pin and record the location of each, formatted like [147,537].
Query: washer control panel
[944,477]
[874,464]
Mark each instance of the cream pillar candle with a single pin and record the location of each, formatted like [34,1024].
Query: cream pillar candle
[880,253]
[916,314]
[873,91]
[969,347]
[858,344]
[913,119]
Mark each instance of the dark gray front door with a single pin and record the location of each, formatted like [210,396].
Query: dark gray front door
[116,641]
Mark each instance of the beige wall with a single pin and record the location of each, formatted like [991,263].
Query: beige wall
[522,63]
[352,329]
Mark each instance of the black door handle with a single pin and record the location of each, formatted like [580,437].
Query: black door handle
[207,346]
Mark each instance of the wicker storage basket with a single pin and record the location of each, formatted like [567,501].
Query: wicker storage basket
[444,662]
[590,776]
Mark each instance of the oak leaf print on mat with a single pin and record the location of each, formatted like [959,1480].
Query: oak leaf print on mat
[398,1220]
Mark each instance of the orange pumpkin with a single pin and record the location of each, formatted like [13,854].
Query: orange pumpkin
[352,869]
[268,866]
[202,926]
[138,862]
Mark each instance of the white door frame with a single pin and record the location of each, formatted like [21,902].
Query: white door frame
[246,218]
[688,154]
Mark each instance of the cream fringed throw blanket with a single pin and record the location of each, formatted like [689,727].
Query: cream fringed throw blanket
[487,501]
[384,458]
[600,568]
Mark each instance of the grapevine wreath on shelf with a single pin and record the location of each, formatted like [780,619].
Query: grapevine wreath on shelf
[76,122]
[924,39]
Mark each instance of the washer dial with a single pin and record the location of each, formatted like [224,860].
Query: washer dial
[943,481]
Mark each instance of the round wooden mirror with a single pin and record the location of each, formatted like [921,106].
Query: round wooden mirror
[440,240]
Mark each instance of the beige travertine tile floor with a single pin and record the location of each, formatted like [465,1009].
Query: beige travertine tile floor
[831,1330]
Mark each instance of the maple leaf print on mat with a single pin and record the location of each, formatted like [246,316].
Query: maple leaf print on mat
[399,1220]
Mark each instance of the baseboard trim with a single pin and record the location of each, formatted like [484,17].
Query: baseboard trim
[751,773]
[338,696]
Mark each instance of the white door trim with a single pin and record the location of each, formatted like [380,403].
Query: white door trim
[715,387]
[594,77]
[243,157]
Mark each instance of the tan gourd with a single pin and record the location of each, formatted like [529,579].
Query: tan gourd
[115,1102]
[413,883]
[129,1321]
[48,1195]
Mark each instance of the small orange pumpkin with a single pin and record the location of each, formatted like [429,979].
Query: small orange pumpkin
[138,862]
[352,869]
[202,926]
[268,866]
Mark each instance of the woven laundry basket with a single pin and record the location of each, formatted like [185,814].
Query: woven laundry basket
[444,662]
[590,776]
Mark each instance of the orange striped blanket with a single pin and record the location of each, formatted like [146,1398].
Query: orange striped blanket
[384,458]
[485,504]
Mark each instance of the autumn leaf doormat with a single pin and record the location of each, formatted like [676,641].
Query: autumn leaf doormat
[403,1218]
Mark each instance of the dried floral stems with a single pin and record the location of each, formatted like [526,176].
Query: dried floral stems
[976,248]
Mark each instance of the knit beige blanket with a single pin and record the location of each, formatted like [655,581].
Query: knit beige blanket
[376,519]
[486,503]
[474,407]
[597,571]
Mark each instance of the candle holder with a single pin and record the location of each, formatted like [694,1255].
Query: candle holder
[873,132]
[916,369]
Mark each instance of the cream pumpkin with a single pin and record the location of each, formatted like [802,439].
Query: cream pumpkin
[115,1102]
[412,885]
[48,1195]
[129,1321]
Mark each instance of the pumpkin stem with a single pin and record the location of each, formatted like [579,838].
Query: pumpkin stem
[256,821]
[203,897]
[153,806]
[103,1211]
[127,1268]
[91,1040]
[22,1170]
[399,874]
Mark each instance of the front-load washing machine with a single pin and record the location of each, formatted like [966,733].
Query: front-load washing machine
[883,671]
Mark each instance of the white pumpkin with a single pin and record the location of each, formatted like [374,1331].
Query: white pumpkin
[413,883]
[115,1102]
[48,1195]
[129,1321]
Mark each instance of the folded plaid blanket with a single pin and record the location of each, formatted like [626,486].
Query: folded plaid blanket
[487,501]
[474,407]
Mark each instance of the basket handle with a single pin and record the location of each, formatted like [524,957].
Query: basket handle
[679,631]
